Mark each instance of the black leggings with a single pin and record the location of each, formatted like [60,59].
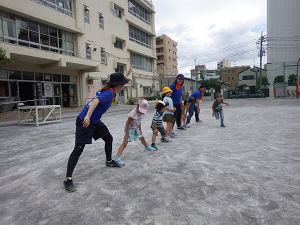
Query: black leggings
[78,149]
[177,114]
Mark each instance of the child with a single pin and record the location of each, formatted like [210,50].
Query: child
[217,109]
[133,130]
[89,125]
[194,106]
[157,125]
[169,117]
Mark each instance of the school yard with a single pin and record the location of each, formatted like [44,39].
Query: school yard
[246,173]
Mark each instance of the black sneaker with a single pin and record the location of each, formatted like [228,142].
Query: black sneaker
[69,186]
[223,125]
[112,163]
[181,128]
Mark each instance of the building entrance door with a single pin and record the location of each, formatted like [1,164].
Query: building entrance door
[65,88]
[26,92]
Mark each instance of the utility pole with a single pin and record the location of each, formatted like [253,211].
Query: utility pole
[196,80]
[261,54]
[284,78]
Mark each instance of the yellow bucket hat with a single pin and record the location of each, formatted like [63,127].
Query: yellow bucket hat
[165,90]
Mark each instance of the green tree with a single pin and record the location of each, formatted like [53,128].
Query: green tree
[3,58]
[279,79]
[215,84]
[292,78]
[264,81]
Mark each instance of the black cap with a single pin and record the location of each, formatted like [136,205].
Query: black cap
[117,79]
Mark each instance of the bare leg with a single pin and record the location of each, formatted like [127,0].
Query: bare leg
[154,136]
[142,139]
[121,148]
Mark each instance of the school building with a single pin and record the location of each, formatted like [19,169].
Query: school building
[65,50]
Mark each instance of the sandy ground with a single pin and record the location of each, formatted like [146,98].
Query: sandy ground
[246,173]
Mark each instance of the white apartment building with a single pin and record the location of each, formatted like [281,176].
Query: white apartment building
[224,63]
[283,37]
[65,50]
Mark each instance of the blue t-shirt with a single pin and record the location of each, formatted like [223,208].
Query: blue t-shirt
[176,95]
[168,100]
[105,98]
[196,94]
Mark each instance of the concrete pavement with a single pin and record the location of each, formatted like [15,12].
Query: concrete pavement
[246,173]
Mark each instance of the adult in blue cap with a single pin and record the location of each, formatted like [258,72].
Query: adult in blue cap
[176,87]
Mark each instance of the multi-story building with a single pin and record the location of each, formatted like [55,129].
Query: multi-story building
[248,79]
[283,37]
[166,51]
[199,69]
[64,50]
[222,64]
[230,76]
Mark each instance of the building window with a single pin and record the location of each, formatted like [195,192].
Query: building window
[101,21]
[28,33]
[137,10]
[139,37]
[88,51]
[140,62]
[63,6]
[118,44]
[86,10]
[119,69]
[248,77]
[4,89]
[103,56]
[117,12]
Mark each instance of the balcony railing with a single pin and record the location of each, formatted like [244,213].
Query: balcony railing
[56,6]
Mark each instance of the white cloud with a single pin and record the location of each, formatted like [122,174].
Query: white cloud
[212,30]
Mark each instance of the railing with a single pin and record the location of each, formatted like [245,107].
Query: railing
[54,6]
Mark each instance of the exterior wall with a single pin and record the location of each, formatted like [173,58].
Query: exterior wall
[229,75]
[166,51]
[283,37]
[224,63]
[89,71]
[248,83]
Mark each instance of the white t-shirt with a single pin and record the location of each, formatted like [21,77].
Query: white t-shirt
[170,101]
[136,119]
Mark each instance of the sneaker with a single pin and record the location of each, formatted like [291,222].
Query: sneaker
[112,163]
[119,162]
[223,125]
[69,186]
[165,140]
[154,146]
[187,125]
[181,128]
[149,148]
[199,121]
[174,134]
[171,136]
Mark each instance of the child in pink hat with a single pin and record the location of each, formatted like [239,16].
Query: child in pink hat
[133,129]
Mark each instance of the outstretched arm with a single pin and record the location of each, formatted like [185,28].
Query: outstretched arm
[226,103]
[127,128]
[86,120]
[129,72]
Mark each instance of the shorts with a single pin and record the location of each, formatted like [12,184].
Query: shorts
[169,118]
[134,135]
[84,135]
[161,130]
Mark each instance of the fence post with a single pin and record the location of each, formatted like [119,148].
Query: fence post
[274,90]
[297,89]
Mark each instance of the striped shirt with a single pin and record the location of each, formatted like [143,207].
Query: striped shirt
[157,118]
